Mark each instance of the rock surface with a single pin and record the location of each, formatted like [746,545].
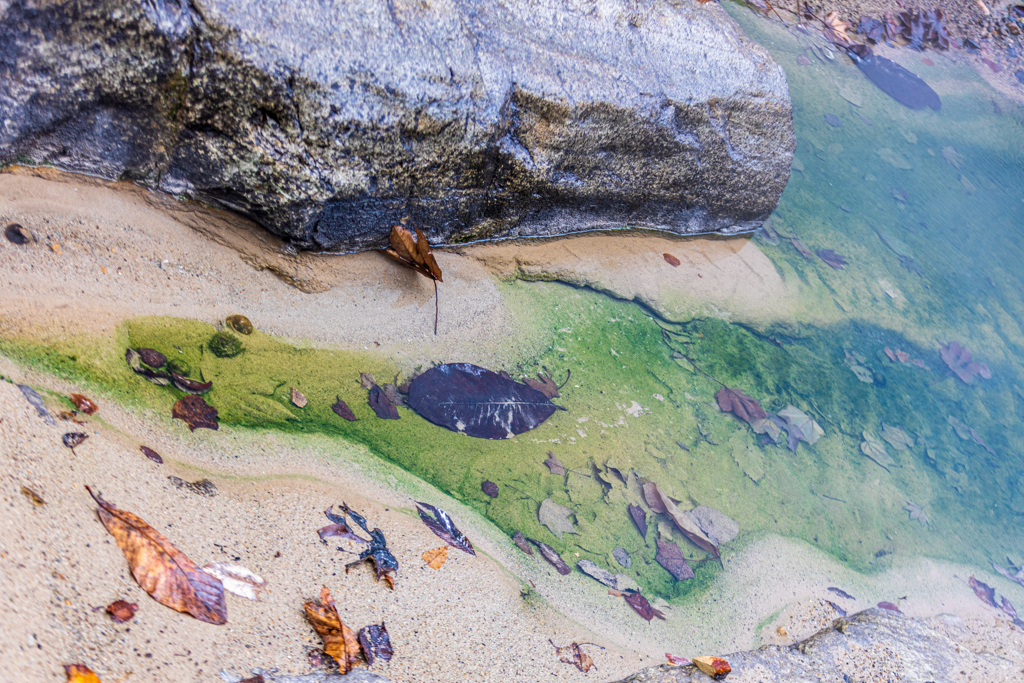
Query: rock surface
[873,645]
[327,122]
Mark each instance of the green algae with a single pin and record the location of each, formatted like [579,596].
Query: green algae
[224,345]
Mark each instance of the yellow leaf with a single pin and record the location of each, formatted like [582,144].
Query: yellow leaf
[436,558]
[80,673]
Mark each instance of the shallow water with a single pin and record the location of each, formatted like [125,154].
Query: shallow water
[925,207]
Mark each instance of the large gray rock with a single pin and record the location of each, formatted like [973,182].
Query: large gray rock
[873,645]
[328,121]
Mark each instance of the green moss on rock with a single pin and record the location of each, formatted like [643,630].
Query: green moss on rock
[225,345]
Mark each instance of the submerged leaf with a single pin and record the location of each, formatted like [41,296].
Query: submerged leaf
[985,593]
[339,640]
[556,518]
[490,488]
[480,403]
[639,518]
[902,85]
[521,542]
[544,385]
[715,524]
[686,524]
[619,582]
[739,404]
[298,399]
[163,571]
[966,432]
[639,603]
[190,386]
[196,413]
[916,513]
[381,404]
[552,557]
[442,525]
[896,437]
[958,359]
[671,558]
[554,465]
[152,358]
[800,426]
[833,259]
[342,410]
[875,449]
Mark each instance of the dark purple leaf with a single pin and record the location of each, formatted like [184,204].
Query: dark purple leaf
[1008,608]
[985,593]
[554,465]
[469,399]
[639,603]
[490,488]
[339,529]
[521,543]
[152,358]
[832,258]
[376,643]
[833,120]
[671,558]
[837,608]
[72,439]
[383,407]
[342,410]
[871,29]
[639,518]
[739,404]
[151,454]
[17,234]
[134,361]
[190,386]
[889,606]
[384,562]
[442,525]
[959,361]
[841,593]
[551,556]
[900,84]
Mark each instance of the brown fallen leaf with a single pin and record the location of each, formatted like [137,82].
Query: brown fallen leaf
[490,488]
[86,405]
[544,385]
[415,254]
[32,496]
[715,667]
[574,654]
[121,611]
[73,439]
[80,673]
[381,405]
[685,523]
[552,557]
[151,454]
[190,386]
[836,28]
[653,498]
[342,410]
[801,247]
[554,465]
[339,640]
[669,258]
[639,604]
[671,558]
[739,404]
[163,571]
[195,412]
[436,558]
[152,357]
[298,400]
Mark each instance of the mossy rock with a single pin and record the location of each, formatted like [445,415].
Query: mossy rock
[225,345]
[179,367]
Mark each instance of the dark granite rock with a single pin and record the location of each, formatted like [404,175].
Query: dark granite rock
[873,645]
[328,122]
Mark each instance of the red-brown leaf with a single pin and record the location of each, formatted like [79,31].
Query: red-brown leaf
[671,260]
[739,404]
[86,405]
[342,410]
[195,412]
[639,603]
[121,611]
[151,454]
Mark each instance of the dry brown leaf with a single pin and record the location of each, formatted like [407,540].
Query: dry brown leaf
[121,610]
[298,400]
[80,673]
[436,558]
[415,254]
[163,571]
[32,496]
[195,412]
[86,405]
[836,28]
[339,640]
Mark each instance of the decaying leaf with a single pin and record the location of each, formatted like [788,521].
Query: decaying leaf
[896,437]
[554,465]
[190,386]
[490,488]
[965,432]
[74,439]
[381,404]
[32,496]
[801,247]
[958,359]
[442,525]
[521,542]
[121,611]
[715,667]
[916,512]
[715,524]
[339,528]
[551,556]
[342,410]
[544,385]
[339,640]
[835,29]
[739,404]
[671,260]
[873,447]
[573,654]
[985,593]
[472,400]
[151,454]
[376,643]
[619,582]
[556,518]
[833,259]
[152,358]
[686,524]
[195,412]
[237,580]
[392,394]
[384,562]
[86,405]
[1016,576]
[300,401]
[639,518]
[800,427]
[671,558]
[366,380]
[134,361]
[642,607]
[80,673]
[885,604]
[652,495]
[415,254]
[436,558]
[163,571]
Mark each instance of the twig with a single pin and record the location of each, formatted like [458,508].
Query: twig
[568,374]
[436,307]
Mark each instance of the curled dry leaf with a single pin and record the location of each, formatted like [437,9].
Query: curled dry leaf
[521,542]
[339,640]
[86,405]
[73,439]
[195,412]
[342,410]
[151,454]
[671,260]
[190,386]
[32,496]
[384,562]
[436,557]
[554,465]
[442,525]
[551,556]
[715,667]
[80,673]
[376,643]
[163,571]
[121,611]
[415,254]
[237,580]
[298,400]
[836,28]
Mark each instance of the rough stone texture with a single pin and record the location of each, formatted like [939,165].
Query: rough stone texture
[329,121]
[873,645]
